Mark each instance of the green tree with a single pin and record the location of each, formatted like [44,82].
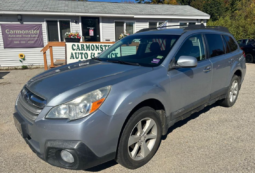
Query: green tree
[198,4]
[216,8]
[185,2]
[172,2]
[241,22]
[231,5]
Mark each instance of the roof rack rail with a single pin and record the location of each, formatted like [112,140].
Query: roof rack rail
[188,28]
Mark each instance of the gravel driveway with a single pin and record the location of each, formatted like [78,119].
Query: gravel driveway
[216,139]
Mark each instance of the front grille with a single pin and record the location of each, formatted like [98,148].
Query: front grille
[27,107]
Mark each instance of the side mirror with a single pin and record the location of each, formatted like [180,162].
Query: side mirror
[187,62]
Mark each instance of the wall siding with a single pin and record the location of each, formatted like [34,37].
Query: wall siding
[108,25]
[9,56]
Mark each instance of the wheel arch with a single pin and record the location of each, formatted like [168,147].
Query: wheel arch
[238,73]
[153,103]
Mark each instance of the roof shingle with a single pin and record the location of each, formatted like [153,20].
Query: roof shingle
[98,8]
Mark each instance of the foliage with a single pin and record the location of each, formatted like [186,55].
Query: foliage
[172,2]
[185,2]
[24,67]
[122,35]
[72,35]
[240,22]
[237,15]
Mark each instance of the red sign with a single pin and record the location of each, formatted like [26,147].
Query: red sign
[91,32]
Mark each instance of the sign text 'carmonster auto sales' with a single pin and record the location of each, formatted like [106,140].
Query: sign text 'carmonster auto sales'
[82,51]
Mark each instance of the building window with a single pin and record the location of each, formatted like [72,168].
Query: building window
[187,23]
[64,28]
[192,23]
[130,27]
[152,24]
[56,29]
[183,24]
[52,28]
[122,27]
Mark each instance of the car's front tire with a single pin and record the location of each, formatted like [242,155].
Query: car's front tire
[140,138]
[232,93]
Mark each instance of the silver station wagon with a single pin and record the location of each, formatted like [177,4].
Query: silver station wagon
[118,105]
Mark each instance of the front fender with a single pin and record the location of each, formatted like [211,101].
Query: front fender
[122,100]
[125,99]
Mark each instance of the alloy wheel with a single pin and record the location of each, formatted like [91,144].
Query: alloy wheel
[233,91]
[142,139]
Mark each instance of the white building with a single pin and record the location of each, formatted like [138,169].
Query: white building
[95,21]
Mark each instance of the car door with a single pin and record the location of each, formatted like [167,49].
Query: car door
[190,87]
[220,62]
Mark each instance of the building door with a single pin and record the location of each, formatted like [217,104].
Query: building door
[90,28]
[119,29]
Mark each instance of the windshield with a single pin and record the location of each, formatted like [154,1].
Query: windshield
[144,50]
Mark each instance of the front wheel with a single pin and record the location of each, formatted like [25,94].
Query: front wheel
[232,92]
[140,138]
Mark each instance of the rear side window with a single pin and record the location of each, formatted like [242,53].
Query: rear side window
[226,45]
[215,44]
[231,43]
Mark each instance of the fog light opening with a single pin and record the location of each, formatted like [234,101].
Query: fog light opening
[67,156]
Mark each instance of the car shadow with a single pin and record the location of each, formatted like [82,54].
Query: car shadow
[175,126]
[191,117]
[2,74]
[102,166]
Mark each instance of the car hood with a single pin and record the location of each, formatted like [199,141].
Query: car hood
[59,80]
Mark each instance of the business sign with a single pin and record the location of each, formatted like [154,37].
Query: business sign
[22,35]
[82,51]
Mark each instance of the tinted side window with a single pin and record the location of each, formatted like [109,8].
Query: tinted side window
[226,45]
[215,45]
[193,46]
[231,43]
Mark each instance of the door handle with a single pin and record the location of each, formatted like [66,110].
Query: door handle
[207,69]
[231,60]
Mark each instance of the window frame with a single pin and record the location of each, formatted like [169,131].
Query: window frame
[208,49]
[55,19]
[204,44]
[237,45]
[125,22]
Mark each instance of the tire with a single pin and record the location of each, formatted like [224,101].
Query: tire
[134,154]
[232,93]
[249,58]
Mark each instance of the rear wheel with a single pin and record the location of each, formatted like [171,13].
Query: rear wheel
[249,58]
[140,138]
[232,93]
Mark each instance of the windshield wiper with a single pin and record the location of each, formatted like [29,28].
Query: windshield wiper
[123,62]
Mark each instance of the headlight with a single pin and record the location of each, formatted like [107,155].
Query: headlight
[81,106]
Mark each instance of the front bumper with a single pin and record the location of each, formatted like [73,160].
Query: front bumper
[47,143]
